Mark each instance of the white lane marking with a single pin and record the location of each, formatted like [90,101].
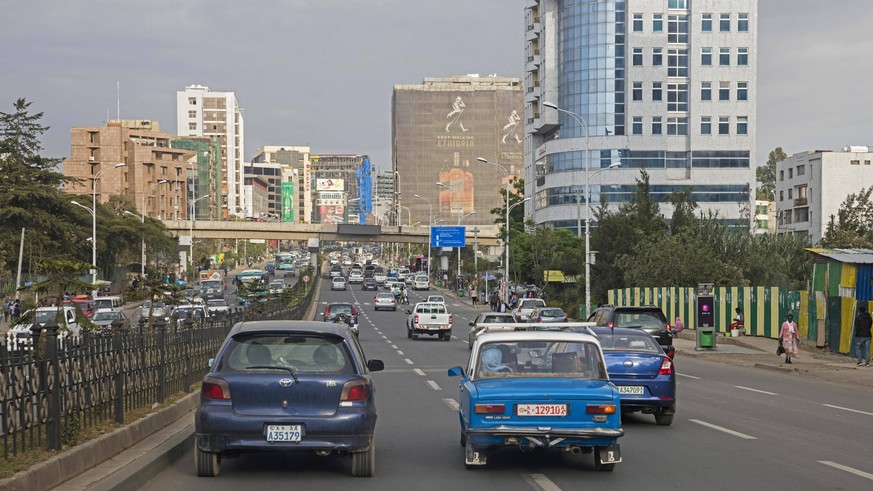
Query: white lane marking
[847,409]
[393,346]
[388,341]
[384,336]
[722,429]
[454,337]
[540,482]
[687,376]
[847,469]
[399,352]
[419,371]
[452,404]
[434,385]
[756,390]
[408,361]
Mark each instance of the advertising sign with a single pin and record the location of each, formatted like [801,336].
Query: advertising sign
[330,184]
[287,201]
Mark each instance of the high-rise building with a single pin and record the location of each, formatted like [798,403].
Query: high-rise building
[439,129]
[668,87]
[201,112]
[812,186]
[343,186]
[287,171]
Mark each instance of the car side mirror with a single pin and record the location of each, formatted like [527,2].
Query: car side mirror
[408,311]
[472,324]
[210,362]
[375,365]
[456,372]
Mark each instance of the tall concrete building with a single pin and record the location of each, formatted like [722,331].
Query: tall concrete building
[667,86]
[439,129]
[812,186]
[201,112]
[343,188]
[287,171]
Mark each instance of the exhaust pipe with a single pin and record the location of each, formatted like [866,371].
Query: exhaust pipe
[574,450]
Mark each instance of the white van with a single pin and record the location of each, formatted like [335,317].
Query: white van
[109,302]
[421,282]
[22,335]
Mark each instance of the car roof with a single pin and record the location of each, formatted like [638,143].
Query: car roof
[605,331]
[288,326]
[502,337]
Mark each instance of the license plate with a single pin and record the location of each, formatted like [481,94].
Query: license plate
[541,410]
[635,390]
[284,433]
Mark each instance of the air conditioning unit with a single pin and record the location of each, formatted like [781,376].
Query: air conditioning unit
[91,158]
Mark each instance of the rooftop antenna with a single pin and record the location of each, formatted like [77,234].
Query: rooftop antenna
[118,99]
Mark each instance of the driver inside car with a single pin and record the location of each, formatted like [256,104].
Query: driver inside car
[492,361]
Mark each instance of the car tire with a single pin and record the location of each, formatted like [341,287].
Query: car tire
[447,336]
[364,463]
[408,333]
[463,439]
[208,463]
[663,419]
[601,467]
[414,336]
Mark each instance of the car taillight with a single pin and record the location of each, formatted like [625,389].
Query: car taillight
[451,318]
[216,389]
[666,367]
[611,324]
[355,390]
[600,409]
[489,409]
[327,312]
[415,319]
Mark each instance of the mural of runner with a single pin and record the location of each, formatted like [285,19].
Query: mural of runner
[511,128]
[455,115]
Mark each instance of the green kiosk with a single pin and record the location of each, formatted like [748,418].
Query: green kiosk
[705,328]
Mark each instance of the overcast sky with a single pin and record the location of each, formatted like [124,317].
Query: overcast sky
[321,72]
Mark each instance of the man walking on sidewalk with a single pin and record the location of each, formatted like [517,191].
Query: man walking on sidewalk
[863,321]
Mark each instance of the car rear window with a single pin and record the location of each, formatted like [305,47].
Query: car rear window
[540,359]
[638,319]
[302,353]
[629,342]
[552,312]
[532,304]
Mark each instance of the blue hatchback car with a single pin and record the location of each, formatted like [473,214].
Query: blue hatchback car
[538,389]
[642,370]
[288,386]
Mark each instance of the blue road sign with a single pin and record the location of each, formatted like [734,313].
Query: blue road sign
[448,237]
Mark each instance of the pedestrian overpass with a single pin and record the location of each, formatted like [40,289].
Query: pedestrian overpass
[485,235]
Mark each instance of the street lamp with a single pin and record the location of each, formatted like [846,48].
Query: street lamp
[191,233]
[460,218]
[506,242]
[588,173]
[142,219]
[93,211]
[429,229]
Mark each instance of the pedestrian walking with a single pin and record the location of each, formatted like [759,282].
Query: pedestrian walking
[494,301]
[474,294]
[788,338]
[6,304]
[15,310]
[863,321]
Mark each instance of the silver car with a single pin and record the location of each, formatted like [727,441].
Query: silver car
[491,321]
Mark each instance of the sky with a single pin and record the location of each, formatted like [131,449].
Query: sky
[320,73]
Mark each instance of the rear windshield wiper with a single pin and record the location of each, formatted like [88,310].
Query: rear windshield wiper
[274,367]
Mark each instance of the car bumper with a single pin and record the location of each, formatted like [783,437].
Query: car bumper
[433,329]
[554,437]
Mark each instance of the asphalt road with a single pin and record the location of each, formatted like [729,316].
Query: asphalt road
[735,428]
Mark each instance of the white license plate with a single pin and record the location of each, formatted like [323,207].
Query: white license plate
[634,390]
[284,433]
[541,410]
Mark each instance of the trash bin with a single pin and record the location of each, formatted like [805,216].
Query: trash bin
[439,283]
[460,292]
[706,338]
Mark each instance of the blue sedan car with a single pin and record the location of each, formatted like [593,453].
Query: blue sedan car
[643,372]
[538,389]
[288,386]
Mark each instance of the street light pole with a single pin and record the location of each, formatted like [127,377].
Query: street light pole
[142,219]
[506,242]
[191,233]
[460,218]
[429,229]
[613,165]
[94,221]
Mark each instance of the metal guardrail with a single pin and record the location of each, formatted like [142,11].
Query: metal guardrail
[51,391]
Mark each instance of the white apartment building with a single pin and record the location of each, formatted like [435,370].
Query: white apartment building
[811,186]
[201,112]
[666,86]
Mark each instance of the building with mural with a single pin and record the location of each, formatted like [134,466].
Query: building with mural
[343,188]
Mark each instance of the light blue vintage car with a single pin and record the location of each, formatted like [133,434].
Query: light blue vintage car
[538,389]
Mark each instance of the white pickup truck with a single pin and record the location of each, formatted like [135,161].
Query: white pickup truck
[431,319]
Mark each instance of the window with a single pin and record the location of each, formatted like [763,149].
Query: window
[677,97]
[658,23]
[866,162]
[742,56]
[657,56]
[677,62]
[678,5]
[638,91]
[724,22]
[192,126]
[742,125]
[706,22]
[656,126]
[677,126]
[790,194]
[657,91]
[852,162]
[677,29]
[724,91]
[706,56]
[638,57]
[192,101]
[638,23]
[781,176]
[705,125]
[724,125]
[705,91]
[724,56]
[743,22]
[742,91]
[637,127]
[801,169]
[192,114]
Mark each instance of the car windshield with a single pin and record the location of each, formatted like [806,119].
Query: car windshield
[339,309]
[497,319]
[42,316]
[551,313]
[302,353]
[210,284]
[637,319]
[106,316]
[629,342]
[540,359]
[385,296]
[532,304]
[218,302]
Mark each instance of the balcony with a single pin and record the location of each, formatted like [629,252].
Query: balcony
[800,202]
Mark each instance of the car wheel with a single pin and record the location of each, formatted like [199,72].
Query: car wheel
[208,463]
[601,467]
[414,336]
[364,463]
[662,419]
[408,333]
[463,439]
[447,336]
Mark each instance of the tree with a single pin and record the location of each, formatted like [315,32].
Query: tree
[683,210]
[853,225]
[766,175]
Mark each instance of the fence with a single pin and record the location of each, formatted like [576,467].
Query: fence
[52,392]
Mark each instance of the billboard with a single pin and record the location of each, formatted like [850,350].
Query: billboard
[330,185]
[287,201]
